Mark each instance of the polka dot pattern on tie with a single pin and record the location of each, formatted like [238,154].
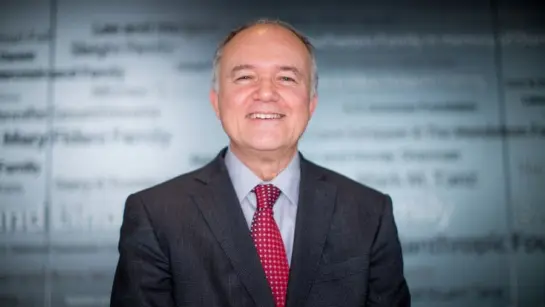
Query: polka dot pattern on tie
[269,244]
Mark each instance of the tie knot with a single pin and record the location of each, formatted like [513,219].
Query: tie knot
[266,195]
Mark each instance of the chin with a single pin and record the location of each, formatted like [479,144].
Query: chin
[265,145]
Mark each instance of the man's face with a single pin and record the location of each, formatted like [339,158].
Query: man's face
[263,99]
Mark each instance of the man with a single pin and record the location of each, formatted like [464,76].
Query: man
[260,225]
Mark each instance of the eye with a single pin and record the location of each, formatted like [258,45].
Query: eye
[287,79]
[244,78]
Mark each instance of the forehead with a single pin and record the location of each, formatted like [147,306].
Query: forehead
[264,45]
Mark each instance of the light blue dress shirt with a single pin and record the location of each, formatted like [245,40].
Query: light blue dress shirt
[285,208]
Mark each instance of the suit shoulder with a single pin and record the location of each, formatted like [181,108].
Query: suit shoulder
[349,188]
[345,181]
[170,188]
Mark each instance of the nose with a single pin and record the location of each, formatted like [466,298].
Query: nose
[266,91]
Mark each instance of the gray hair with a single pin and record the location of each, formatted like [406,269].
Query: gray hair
[304,39]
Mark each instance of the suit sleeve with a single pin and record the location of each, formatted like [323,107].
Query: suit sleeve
[142,277]
[387,284]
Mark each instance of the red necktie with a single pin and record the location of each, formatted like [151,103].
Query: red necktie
[268,242]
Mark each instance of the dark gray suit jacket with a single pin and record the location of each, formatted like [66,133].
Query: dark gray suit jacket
[185,242]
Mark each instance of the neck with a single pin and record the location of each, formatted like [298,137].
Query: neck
[265,164]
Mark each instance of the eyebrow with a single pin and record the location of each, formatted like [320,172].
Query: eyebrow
[238,68]
[293,69]
[241,67]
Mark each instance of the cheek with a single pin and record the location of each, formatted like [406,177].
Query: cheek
[300,105]
[234,97]
[229,104]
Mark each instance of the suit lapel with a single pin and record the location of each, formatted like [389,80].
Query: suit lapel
[219,205]
[314,212]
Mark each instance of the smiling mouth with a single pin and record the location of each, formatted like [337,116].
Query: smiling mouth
[265,116]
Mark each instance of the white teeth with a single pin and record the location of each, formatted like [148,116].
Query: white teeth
[265,116]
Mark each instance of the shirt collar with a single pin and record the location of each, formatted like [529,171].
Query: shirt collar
[244,180]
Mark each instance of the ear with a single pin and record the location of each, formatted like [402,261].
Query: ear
[313,103]
[214,101]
